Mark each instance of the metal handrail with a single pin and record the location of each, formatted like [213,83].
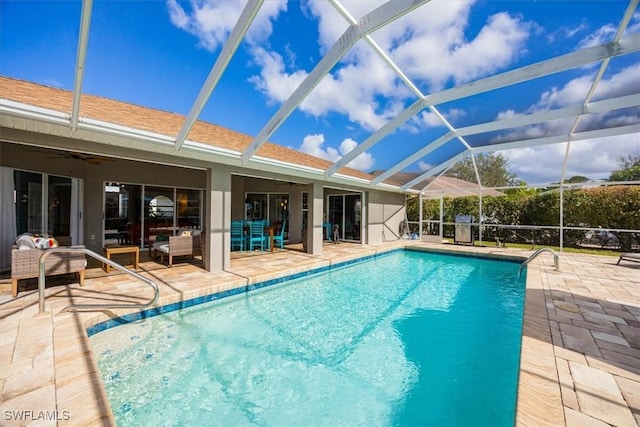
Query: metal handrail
[41,281]
[535,254]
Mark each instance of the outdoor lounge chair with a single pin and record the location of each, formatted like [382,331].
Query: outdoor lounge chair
[629,256]
[176,246]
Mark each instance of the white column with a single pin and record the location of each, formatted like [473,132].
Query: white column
[364,218]
[217,221]
[314,229]
[420,216]
[441,217]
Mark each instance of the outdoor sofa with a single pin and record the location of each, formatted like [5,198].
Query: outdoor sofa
[24,263]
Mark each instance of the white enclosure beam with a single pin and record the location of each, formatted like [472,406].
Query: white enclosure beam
[560,113]
[379,17]
[413,158]
[556,139]
[529,119]
[377,49]
[594,134]
[231,45]
[83,39]
[558,64]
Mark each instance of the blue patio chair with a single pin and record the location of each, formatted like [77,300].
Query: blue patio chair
[237,236]
[279,238]
[256,235]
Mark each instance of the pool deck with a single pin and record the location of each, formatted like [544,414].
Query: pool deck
[580,361]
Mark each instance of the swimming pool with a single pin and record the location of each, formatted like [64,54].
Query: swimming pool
[409,338]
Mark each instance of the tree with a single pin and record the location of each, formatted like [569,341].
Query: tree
[576,178]
[492,168]
[629,168]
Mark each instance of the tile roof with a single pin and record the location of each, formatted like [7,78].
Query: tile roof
[153,120]
[452,187]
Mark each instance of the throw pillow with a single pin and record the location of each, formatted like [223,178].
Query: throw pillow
[45,242]
[25,242]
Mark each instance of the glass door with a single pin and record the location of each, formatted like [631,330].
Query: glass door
[352,217]
[345,210]
[28,186]
[59,206]
[122,214]
[279,212]
[336,215]
[159,208]
[47,204]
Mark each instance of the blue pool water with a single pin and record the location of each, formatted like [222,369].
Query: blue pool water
[404,339]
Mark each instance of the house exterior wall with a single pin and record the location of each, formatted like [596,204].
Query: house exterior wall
[383,216]
[94,175]
[382,211]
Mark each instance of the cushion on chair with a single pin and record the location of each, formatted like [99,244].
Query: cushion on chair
[161,246]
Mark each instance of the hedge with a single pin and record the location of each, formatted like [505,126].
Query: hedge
[612,207]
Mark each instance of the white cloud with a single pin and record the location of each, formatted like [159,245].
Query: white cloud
[274,81]
[438,51]
[314,145]
[427,119]
[594,159]
[574,92]
[364,89]
[211,21]
[363,162]
[423,166]
[603,34]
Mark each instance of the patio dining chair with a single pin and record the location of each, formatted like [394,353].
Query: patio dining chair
[278,239]
[237,236]
[256,235]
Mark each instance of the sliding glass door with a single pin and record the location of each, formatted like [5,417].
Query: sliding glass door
[137,214]
[345,210]
[273,207]
[122,214]
[47,204]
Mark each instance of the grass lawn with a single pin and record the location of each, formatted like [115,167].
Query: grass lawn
[590,251]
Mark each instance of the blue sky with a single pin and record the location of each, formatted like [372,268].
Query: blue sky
[158,54]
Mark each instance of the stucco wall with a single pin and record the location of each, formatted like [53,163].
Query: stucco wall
[384,213]
[382,210]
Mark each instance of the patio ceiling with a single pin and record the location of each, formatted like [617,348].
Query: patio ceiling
[361,29]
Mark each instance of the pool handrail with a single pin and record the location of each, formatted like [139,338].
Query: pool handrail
[41,282]
[535,254]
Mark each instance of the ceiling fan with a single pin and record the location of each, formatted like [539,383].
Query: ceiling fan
[75,155]
[89,158]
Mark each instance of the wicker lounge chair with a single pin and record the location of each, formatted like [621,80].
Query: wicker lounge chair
[629,256]
[24,265]
[175,246]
